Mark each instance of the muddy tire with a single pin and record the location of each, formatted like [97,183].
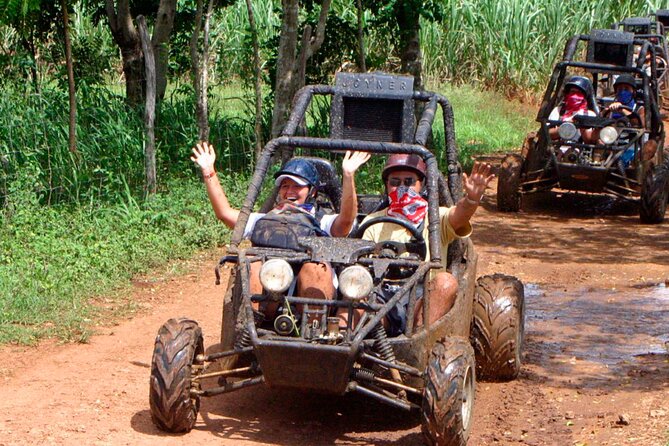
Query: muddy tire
[448,398]
[508,184]
[173,408]
[498,327]
[654,192]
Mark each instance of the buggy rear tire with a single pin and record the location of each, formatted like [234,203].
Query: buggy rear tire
[498,328]
[508,183]
[448,398]
[173,407]
[654,194]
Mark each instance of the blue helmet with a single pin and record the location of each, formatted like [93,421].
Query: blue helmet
[299,170]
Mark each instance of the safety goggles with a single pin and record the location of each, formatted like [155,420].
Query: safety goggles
[396,182]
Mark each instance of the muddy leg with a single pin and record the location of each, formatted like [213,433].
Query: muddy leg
[256,288]
[315,281]
[442,289]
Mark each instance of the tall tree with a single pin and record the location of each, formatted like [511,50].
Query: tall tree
[126,37]
[199,64]
[257,84]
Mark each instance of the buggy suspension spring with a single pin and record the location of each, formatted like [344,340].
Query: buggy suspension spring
[385,349]
[244,339]
[363,375]
[382,345]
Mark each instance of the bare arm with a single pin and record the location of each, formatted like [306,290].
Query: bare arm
[474,186]
[349,199]
[204,156]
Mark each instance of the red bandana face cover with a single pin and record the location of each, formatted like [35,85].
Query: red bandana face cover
[407,203]
[573,103]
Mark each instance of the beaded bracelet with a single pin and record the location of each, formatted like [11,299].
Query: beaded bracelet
[209,175]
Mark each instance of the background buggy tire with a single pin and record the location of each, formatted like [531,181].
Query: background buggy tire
[654,192]
[448,398]
[498,327]
[508,183]
[173,409]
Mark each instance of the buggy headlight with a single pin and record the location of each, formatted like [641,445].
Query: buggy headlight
[355,282]
[608,135]
[568,131]
[276,275]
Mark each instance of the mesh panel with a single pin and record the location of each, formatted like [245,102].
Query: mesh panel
[373,119]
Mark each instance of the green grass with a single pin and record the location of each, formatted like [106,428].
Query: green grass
[54,259]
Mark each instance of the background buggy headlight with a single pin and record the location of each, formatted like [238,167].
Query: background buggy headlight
[276,275]
[608,135]
[568,131]
[355,282]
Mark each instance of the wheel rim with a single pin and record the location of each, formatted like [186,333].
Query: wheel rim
[467,398]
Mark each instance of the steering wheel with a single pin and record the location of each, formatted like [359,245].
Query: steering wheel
[418,247]
[631,120]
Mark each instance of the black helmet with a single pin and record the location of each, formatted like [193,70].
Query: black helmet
[580,82]
[626,79]
[299,170]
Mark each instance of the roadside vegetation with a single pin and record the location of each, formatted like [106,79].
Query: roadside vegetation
[75,225]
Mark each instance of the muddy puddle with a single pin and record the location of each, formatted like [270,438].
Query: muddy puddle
[588,335]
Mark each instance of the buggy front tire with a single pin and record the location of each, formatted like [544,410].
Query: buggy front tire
[508,183]
[498,327]
[448,398]
[173,407]
[654,194]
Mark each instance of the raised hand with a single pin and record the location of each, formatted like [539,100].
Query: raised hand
[204,156]
[476,182]
[353,160]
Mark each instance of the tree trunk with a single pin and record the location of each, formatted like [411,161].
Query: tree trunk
[285,65]
[408,20]
[362,66]
[290,70]
[126,37]
[150,108]
[161,36]
[199,67]
[70,79]
[258,80]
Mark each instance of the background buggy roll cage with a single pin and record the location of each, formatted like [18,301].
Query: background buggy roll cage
[650,87]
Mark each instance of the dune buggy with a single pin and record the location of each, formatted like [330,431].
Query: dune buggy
[627,161]
[429,369]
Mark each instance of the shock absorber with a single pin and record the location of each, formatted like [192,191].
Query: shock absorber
[383,347]
[243,340]
[363,374]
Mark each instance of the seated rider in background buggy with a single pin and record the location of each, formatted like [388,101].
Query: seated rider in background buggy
[403,176]
[624,103]
[298,183]
[578,99]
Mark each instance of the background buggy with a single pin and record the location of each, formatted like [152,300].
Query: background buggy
[568,162]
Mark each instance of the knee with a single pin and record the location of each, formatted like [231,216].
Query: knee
[445,283]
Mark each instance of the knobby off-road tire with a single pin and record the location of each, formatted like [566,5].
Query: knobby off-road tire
[173,409]
[654,192]
[498,327]
[448,398]
[508,183]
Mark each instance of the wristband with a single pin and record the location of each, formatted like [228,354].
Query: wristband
[208,175]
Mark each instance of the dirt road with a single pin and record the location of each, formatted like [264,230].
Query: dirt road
[596,368]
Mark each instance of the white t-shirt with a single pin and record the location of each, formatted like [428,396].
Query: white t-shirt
[326,223]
